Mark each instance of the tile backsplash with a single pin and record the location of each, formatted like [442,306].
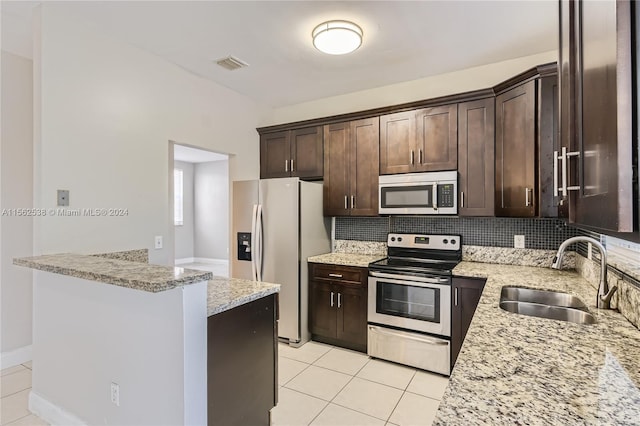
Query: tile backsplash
[545,234]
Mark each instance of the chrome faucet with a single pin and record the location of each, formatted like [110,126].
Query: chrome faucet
[603,300]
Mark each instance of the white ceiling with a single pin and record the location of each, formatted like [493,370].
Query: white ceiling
[403,40]
[195,155]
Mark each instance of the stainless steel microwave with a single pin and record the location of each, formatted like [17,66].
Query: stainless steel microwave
[427,193]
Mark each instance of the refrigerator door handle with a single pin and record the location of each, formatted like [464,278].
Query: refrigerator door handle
[260,239]
[254,246]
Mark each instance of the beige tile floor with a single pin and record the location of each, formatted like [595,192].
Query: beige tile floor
[318,385]
[15,385]
[323,385]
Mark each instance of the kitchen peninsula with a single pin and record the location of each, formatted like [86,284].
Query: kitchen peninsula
[125,342]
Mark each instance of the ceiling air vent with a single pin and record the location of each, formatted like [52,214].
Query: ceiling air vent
[230,63]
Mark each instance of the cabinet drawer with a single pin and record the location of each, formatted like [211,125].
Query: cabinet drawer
[338,273]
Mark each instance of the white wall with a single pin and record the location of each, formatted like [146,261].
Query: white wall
[107,112]
[16,153]
[211,238]
[476,78]
[184,234]
[89,334]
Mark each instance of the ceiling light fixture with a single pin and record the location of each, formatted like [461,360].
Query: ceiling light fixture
[337,37]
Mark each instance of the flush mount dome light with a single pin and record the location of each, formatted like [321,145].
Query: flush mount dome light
[337,37]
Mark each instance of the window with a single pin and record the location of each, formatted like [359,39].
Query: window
[177,197]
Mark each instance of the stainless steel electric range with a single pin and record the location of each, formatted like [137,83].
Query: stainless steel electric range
[409,306]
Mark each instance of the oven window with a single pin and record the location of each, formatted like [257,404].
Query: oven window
[407,196]
[408,301]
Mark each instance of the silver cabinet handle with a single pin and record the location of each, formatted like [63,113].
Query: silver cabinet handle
[286,165]
[420,156]
[339,301]
[346,206]
[336,275]
[564,159]
[527,202]
[462,199]
[292,165]
[455,294]
[353,202]
[411,157]
[332,299]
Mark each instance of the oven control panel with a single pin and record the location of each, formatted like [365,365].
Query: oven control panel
[425,241]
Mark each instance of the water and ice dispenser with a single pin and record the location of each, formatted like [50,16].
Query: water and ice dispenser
[244,246]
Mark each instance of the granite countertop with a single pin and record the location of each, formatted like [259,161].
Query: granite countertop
[346,259]
[227,293]
[123,273]
[516,369]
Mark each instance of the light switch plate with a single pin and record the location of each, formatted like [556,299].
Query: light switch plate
[63,197]
[518,241]
[158,242]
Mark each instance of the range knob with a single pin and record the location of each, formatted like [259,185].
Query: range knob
[453,241]
[393,238]
[445,241]
[399,239]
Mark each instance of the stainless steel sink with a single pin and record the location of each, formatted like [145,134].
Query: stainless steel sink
[545,304]
[550,312]
[544,297]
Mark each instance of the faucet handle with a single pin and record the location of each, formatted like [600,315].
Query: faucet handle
[604,300]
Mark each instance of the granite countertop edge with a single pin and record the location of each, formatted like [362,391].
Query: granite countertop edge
[224,294]
[121,273]
[346,259]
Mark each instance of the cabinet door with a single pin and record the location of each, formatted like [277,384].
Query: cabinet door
[476,157]
[337,143]
[397,142]
[437,138]
[466,295]
[322,311]
[515,151]
[275,155]
[597,112]
[352,314]
[364,167]
[306,153]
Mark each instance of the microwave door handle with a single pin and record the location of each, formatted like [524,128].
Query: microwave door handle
[435,196]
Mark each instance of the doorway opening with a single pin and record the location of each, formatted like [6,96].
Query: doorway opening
[201,209]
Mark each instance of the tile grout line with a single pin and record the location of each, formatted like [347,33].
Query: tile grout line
[15,393]
[341,389]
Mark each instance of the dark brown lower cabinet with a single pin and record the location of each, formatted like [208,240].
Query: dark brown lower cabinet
[242,361]
[338,305]
[466,294]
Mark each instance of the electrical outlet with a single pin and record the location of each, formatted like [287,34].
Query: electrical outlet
[115,393]
[518,241]
[158,242]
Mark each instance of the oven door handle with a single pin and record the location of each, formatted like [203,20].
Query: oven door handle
[423,339]
[438,280]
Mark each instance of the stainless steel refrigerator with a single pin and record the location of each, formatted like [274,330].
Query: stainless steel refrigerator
[277,224]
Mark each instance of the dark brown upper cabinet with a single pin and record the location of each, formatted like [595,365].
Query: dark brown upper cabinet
[515,151]
[351,168]
[476,158]
[419,140]
[595,160]
[292,153]
[526,133]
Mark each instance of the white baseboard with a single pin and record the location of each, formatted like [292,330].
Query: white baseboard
[211,261]
[201,260]
[15,357]
[51,413]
